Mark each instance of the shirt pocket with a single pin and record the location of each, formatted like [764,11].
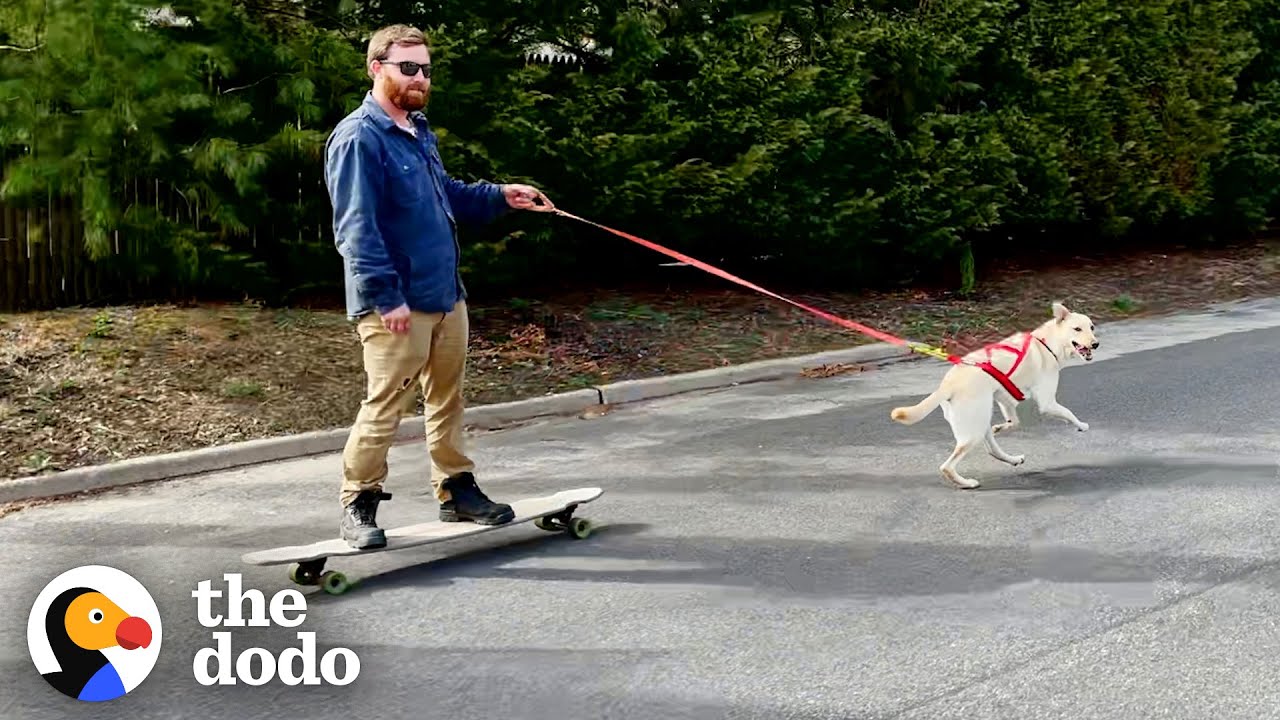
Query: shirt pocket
[408,184]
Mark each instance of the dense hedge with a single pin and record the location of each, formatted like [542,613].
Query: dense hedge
[832,141]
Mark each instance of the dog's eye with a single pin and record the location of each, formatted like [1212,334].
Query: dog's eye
[1078,330]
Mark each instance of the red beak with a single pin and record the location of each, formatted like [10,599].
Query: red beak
[133,632]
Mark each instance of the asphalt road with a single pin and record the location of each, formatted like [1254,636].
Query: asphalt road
[778,550]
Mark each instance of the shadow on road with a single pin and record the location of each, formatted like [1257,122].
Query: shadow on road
[857,569]
[1130,474]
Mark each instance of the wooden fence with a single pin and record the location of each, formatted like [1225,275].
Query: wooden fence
[43,263]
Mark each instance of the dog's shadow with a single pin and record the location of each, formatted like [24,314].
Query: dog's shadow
[1128,473]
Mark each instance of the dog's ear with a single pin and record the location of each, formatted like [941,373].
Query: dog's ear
[1060,312]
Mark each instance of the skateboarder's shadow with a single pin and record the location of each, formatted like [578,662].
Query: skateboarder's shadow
[479,556]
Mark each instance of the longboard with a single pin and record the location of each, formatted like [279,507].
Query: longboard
[553,513]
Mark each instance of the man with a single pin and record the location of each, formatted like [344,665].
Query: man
[394,214]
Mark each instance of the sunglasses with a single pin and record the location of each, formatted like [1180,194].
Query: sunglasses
[409,68]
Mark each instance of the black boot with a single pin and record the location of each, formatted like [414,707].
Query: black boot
[359,521]
[467,502]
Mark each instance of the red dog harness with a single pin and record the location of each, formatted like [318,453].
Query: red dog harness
[1019,354]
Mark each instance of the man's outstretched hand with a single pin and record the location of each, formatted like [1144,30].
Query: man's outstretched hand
[526,197]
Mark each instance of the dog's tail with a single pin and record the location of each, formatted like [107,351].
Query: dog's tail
[919,411]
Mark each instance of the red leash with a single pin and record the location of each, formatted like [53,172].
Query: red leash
[921,348]
[733,278]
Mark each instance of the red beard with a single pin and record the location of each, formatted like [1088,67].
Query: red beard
[409,99]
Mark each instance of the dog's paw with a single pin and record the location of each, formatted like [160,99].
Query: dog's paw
[1017,460]
[963,483]
[1083,427]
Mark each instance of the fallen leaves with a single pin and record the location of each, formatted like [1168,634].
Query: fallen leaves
[596,411]
[831,370]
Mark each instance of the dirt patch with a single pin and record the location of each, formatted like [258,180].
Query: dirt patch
[83,387]
[88,386]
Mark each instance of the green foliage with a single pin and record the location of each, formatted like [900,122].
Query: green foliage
[188,139]
[837,142]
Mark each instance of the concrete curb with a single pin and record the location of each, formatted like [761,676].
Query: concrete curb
[499,414]
[255,452]
[627,391]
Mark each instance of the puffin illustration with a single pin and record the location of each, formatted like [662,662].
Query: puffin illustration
[80,623]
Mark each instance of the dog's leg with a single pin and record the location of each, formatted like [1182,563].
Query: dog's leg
[1046,399]
[1051,408]
[970,420]
[1000,454]
[948,468]
[1009,409]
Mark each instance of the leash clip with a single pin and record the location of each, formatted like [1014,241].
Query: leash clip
[929,350]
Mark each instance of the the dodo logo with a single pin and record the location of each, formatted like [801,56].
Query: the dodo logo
[94,633]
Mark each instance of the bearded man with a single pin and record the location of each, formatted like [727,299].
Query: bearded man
[395,215]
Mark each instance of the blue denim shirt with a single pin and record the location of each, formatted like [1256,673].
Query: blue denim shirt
[395,213]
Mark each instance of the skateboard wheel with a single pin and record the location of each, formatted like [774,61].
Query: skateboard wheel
[580,528]
[546,523]
[334,583]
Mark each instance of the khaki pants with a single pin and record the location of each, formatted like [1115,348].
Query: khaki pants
[432,356]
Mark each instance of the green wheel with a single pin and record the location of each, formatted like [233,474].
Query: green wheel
[334,583]
[546,523]
[580,528]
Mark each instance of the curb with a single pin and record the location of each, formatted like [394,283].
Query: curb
[487,417]
[627,391]
[254,452]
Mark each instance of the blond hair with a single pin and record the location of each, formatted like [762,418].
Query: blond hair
[381,42]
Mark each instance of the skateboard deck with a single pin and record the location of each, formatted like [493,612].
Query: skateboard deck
[553,513]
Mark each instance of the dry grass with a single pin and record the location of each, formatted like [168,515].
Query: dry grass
[88,386]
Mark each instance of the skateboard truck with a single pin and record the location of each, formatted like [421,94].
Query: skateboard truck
[312,572]
[564,521]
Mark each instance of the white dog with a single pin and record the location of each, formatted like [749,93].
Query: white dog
[1023,365]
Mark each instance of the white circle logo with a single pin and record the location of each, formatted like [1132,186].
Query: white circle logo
[94,633]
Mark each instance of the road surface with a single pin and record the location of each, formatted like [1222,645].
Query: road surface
[776,550]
